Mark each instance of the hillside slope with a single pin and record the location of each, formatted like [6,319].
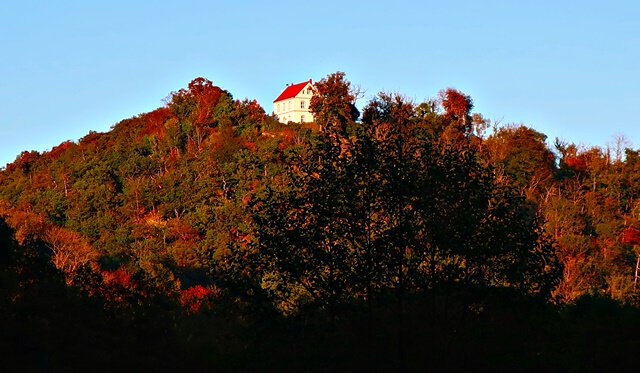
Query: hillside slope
[209,197]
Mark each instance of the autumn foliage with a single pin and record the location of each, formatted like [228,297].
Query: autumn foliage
[208,208]
[183,194]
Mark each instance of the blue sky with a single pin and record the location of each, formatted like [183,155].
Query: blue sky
[566,68]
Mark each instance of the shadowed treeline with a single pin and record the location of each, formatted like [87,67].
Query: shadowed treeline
[49,326]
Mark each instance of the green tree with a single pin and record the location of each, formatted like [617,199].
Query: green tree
[333,103]
[520,153]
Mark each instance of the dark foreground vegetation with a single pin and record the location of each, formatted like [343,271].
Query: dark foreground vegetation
[48,325]
[205,235]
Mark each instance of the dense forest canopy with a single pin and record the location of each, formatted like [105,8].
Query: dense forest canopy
[210,217]
[207,193]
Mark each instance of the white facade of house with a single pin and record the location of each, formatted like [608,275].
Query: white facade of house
[293,103]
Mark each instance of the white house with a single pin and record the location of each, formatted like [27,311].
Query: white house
[293,103]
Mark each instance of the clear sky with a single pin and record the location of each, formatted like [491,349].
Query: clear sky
[566,68]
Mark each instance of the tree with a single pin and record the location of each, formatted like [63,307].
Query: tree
[520,153]
[302,239]
[198,102]
[457,109]
[453,221]
[70,250]
[391,208]
[333,103]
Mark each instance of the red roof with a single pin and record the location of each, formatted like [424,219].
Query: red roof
[292,91]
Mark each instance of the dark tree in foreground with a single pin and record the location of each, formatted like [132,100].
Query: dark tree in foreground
[386,205]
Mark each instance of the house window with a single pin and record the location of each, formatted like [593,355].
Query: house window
[278,110]
[289,105]
[302,118]
[301,104]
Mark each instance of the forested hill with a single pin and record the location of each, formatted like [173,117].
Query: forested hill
[209,206]
[209,190]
